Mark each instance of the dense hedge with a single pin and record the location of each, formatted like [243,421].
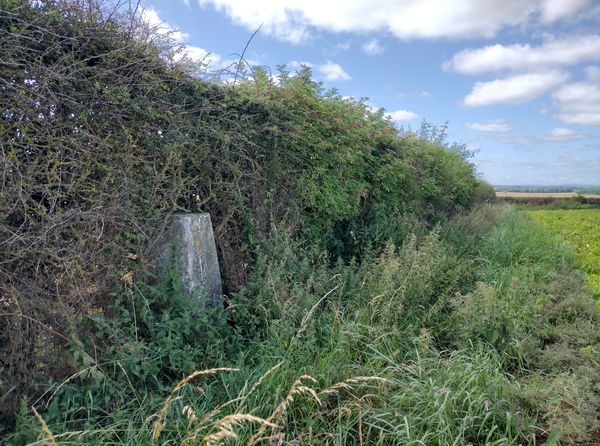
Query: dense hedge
[102,137]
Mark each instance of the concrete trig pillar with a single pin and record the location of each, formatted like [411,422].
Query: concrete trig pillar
[191,244]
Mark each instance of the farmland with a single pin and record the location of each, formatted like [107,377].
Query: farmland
[580,231]
[542,195]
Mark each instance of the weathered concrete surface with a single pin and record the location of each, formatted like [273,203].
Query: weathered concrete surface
[190,244]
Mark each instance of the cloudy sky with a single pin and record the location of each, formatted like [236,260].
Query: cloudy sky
[519,80]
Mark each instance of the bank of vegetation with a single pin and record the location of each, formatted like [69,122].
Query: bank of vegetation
[374,295]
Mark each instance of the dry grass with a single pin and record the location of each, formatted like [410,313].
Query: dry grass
[223,428]
[159,423]
[226,424]
[297,388]
[351,383]
[49,436]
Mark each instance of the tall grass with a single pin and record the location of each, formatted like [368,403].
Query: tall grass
[462,335]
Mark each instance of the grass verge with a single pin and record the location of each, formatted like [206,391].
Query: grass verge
[476,332]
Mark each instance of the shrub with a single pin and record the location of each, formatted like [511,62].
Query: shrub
[484,192]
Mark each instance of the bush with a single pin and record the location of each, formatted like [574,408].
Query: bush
[484,192]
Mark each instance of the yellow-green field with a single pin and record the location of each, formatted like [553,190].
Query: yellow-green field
[580,230]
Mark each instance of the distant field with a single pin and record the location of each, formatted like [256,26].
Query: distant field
[542,195]
[580,230]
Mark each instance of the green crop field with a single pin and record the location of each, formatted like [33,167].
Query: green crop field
[580,230]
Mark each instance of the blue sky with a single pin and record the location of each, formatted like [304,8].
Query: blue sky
[518,80]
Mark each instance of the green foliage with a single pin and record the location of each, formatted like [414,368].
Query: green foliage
[103,138]
[445,400]
[550,315]
[447,337]
[154,337]
[497,321]
[484,192]
[82,165]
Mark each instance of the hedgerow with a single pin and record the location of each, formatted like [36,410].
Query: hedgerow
[103,136]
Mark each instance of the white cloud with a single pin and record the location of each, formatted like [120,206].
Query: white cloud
[579,102]
[372,48]
[552,53]
[197,55]
[373,108]
[514,89]
[401,115]
[560,134]
[192,53]
[333,72]
[557,134]
[329,70]
[552,136]
[497,125]
[292,19]
[150,16]
[555,9]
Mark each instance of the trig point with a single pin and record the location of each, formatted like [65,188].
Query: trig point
[190,243]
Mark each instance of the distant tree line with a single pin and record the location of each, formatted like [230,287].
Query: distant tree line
[549,189]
